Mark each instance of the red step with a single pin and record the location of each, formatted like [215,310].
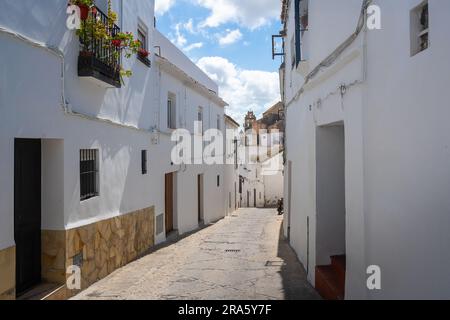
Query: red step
[339,265]
[330,279]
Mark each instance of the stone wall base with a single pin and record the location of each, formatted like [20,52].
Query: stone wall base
[8,274]
[98,249]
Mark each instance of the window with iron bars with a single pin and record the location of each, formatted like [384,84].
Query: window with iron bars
[301,27]
[89,174]
[144,161]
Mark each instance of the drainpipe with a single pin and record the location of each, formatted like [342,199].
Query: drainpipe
[121,14]
[64,103]
[328,61]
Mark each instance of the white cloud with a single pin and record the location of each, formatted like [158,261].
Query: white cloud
[189,26]
[162,6]
[249,13]
[230,38]
[179,39]
[193,46]
[242,89]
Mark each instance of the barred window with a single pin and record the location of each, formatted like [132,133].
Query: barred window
[89,178]
[171,111]
[144,161]
[200,120]
[219,121]
[420,25]
[142,38]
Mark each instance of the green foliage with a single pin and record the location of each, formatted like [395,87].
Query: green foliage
[93,29]
[88,3]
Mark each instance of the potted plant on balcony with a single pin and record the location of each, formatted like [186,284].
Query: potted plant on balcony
[85,6]
[143,53]
[304,21]
[91,30]
[102,40]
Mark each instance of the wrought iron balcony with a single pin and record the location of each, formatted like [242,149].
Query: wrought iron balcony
[278,45]
[99,59]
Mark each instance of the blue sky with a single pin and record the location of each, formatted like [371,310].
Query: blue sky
[231,41]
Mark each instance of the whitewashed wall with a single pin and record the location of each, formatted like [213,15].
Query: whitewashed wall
[231,191]
[253,180]
[188,101]
[407,153]
[176,56]
[396,144]
[119,125]
[273,175]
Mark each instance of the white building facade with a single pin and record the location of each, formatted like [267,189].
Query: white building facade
[262,183]
[252,186]
[232,165]
[86,170]
[367,143]
[272,171]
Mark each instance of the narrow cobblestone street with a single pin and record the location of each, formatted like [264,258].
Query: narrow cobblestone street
[240,257]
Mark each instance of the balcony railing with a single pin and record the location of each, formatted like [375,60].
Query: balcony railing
[98,58]
[278,45]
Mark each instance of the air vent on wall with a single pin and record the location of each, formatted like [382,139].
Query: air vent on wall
[160,224]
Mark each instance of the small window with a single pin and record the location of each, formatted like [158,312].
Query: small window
[218,181]
[219,121]
[200,120]
[171,111]
[142,37]
[144,161]
[301,29]
[419,28]
[89,178]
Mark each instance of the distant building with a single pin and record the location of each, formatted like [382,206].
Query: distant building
[232,165]
[267,131]
[261,180]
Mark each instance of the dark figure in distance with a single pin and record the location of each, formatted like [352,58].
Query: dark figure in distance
[280,207]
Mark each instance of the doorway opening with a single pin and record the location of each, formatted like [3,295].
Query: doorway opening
[248,199]
[200,207]
[27,213]
[235,197]
[331,211]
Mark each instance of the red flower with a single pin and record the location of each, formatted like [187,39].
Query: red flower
[116,43]
[143,53]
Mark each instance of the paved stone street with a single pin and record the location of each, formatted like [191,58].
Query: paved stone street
[240,257]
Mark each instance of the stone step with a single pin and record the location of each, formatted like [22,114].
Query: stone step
[328,284]
[339,265]
[39,292]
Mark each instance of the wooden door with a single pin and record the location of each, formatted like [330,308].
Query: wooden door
[200,197]
[27,213]
[235,196]
[169,202]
